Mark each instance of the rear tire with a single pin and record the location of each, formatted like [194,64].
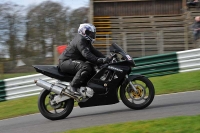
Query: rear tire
[61,110]
[140,100]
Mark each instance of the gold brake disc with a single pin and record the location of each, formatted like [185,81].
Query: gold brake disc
[139,94]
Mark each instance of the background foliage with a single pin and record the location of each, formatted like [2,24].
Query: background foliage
[28,35]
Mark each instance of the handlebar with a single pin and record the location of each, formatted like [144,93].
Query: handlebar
[106,64]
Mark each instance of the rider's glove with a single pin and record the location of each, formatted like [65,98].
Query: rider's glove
[103,60]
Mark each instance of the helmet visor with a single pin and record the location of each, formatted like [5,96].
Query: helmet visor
[92,35]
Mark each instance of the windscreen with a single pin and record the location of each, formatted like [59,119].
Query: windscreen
[117,49]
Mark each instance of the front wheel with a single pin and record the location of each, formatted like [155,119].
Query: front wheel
[143,97]
[54,111]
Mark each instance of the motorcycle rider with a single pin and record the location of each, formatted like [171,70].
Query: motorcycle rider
[80,50]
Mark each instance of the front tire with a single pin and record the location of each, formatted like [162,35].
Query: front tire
[56,111]
[139,100]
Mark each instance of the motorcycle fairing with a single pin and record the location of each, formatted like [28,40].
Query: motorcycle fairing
[106,88]
[113,78]
[105,99]
[53,72]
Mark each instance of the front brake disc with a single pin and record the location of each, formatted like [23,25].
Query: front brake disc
[137,95]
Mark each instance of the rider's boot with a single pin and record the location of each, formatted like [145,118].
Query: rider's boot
[80,77]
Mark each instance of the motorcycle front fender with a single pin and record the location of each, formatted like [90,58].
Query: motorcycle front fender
[130,78]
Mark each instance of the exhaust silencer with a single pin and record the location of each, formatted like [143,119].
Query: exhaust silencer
[48,86]
[54,88]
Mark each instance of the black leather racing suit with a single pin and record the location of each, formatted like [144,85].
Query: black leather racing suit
[73,60]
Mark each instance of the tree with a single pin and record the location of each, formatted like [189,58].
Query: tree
[77,17]
[46,26]
[35,33]
[11,23]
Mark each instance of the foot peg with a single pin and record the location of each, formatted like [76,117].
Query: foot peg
[73,91]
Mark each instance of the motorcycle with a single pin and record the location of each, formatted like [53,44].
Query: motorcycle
[108,81]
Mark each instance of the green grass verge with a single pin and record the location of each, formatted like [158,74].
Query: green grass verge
[181,124]
[180,82]
[17,107]
[164,84]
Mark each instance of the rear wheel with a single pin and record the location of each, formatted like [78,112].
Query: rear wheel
[54,111]
[140,99]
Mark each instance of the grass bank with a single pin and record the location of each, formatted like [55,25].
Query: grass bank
[164,84]
[181,124]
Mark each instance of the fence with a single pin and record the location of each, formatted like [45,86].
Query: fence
[170,63]
[150,66]
[147,43]
[20,87]
[146,35]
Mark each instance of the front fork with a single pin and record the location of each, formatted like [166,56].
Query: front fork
[133,87]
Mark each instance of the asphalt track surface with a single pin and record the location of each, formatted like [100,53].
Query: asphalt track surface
[177,104]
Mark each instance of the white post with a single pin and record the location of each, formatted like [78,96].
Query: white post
[160,42]
[186,37]
[143,44]
[91,12]
[124,41]
[55,53]
[107,44]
